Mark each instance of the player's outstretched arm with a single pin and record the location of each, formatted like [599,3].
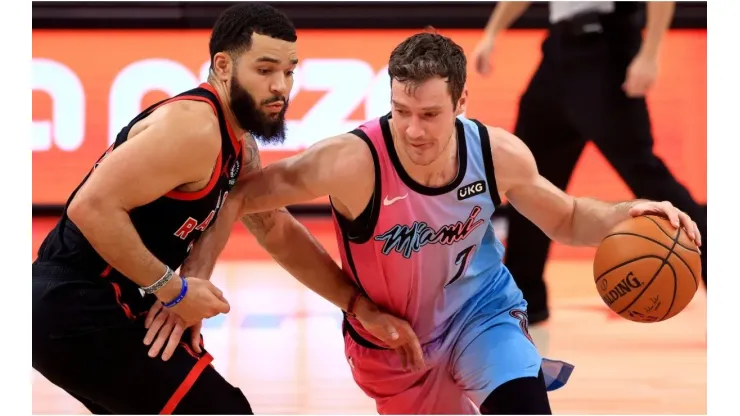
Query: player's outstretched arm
[564,218]
[178,146]
[336,166]
[303,177]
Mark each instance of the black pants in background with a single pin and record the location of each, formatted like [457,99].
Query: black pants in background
[575,96]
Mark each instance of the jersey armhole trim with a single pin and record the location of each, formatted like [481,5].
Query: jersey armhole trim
[485,144]
[194,195]
[361,229]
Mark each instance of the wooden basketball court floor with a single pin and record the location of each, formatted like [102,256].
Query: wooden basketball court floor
[282,345]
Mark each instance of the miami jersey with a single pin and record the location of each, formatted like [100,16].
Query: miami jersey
[419,252]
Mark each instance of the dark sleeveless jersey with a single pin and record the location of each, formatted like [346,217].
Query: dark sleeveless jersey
[169,225]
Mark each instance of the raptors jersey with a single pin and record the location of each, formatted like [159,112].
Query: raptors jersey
[424,253]
[168,226]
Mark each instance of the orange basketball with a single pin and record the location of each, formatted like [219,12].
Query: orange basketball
[646,270]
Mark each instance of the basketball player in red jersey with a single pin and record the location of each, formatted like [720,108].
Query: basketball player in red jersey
[413,193]
[134,218]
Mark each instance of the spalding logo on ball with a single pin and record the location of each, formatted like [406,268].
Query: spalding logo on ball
[646,270]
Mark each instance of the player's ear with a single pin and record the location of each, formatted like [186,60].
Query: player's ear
[222,66]
[462,103]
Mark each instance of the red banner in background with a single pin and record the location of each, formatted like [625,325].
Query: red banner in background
[88,84]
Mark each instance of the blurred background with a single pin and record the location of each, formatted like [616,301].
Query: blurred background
[98,64]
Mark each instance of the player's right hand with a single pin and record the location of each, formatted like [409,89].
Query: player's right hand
[202,301]
[394,332]
[165,329]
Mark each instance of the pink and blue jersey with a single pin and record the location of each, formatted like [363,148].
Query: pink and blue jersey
[425,252]
[430,256]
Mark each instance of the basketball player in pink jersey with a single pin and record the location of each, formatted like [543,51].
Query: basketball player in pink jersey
[413,193]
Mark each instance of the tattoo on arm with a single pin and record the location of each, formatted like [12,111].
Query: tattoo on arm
[260,224]
[252,159]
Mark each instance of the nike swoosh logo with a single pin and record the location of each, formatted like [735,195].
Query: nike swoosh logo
[387,201]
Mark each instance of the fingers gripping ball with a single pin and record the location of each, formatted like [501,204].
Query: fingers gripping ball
[646,270]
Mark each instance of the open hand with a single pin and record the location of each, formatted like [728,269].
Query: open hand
[676,217]
[164,327]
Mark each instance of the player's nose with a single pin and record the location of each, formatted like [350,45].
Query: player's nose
[414,131]
[280,87]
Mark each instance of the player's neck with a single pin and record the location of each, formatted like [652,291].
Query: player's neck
[438,173]
[223,97]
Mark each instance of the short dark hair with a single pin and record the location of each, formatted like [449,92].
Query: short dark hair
[428,55]
[233,30]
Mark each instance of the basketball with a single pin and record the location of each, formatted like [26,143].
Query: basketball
[646,270]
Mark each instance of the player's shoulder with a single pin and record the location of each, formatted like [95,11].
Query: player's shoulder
[345,156]
[505,144]
[479,129]
[188,120]
[351,148]
[512,159]
[501,140]
[182,133]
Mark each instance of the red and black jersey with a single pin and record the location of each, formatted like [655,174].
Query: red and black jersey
[169,225]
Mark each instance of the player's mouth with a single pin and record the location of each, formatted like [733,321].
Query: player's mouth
[422,146]
[275,107]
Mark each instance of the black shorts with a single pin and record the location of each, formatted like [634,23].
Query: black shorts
[86,343]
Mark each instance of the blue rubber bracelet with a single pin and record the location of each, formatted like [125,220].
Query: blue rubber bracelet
[183,292]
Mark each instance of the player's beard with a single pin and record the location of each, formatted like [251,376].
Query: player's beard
[265,129]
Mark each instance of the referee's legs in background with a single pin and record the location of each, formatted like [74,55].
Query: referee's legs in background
[576,95]
[543,125]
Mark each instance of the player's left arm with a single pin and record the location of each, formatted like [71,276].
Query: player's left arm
[292,246]
[278,232]
[565,218]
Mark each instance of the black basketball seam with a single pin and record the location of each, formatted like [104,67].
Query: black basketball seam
[675,290]
[696,282]
[649,256]
[641,236]
[669,236]
[647,286]
[693,276]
